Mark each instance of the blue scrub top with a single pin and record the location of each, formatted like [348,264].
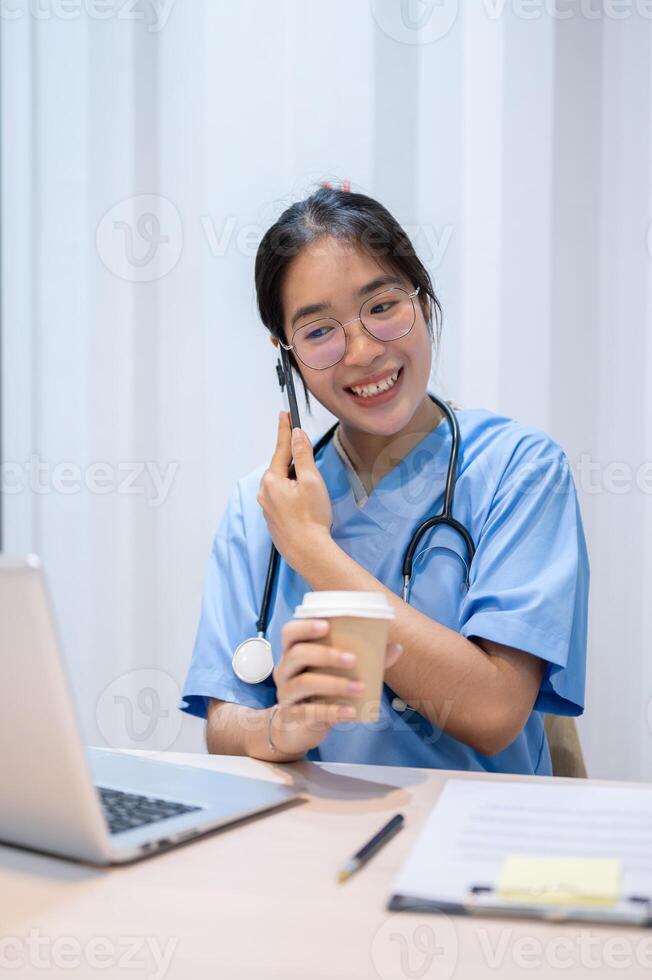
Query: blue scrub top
[528,586]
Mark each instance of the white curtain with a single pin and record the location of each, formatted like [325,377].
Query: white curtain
[137,381]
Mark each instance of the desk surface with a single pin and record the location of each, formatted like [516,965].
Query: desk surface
[261,900]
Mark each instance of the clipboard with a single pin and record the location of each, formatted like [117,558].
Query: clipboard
[634,910]
[484,838]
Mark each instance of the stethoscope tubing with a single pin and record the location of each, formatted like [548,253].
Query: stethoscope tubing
[445,518]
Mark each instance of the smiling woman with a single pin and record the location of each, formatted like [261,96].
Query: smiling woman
[348,384]
[481,650]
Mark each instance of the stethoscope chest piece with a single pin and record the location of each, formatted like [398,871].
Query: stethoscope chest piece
[253,661]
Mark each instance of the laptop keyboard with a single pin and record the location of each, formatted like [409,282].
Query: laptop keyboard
[124,811]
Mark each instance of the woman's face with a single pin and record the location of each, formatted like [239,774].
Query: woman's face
[340,277]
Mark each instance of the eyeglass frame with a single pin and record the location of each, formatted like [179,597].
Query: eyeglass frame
[343,325]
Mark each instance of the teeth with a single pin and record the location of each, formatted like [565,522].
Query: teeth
[366,391]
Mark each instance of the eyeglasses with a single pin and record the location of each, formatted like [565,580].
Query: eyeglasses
[385,316]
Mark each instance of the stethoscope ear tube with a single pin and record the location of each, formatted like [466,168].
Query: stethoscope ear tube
[446,516]
[272,565]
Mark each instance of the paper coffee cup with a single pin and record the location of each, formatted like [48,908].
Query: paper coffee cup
[358,623]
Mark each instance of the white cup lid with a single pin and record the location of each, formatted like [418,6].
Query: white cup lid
[368,605]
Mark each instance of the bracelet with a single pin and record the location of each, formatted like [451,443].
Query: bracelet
[270,743]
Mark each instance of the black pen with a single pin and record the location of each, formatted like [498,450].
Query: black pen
[384,834]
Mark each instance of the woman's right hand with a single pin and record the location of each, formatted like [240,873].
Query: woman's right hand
[301,673]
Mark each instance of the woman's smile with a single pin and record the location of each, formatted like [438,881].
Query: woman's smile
[374,393]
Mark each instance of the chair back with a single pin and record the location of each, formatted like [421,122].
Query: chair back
[565,747]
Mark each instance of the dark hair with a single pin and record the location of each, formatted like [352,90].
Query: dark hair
[349,217]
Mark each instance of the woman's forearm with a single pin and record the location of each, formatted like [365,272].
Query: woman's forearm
[450,680]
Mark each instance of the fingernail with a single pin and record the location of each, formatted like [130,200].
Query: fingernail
[355,687]
[298,437]
[397,647]
[348,659]
[346,713]
[319,624]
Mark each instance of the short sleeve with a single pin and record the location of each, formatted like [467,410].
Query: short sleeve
[530,575]
[228,616]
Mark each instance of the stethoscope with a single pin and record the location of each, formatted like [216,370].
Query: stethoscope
[253,661]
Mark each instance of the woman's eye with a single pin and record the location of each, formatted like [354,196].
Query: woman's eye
[318,333]
[382,307]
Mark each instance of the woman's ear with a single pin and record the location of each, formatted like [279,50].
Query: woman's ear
[426,307]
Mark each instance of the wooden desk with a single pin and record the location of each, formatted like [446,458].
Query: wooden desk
[260,899]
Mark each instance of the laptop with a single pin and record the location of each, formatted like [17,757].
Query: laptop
[93,805]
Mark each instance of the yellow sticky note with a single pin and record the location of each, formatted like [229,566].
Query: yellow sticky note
[560,881]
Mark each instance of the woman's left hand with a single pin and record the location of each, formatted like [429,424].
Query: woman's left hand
[298,512]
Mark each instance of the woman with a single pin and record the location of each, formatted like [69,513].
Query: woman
[472,664]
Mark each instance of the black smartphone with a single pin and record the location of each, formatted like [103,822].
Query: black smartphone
[284,374]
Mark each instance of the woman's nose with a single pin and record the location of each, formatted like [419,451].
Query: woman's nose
[361,347]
